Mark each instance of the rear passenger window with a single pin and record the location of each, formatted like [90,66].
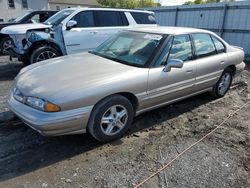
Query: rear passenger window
[181,48]
[204,45]
[143,18]
[84,19]
[220,48]
[110,18]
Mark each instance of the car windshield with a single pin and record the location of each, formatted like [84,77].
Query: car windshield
[131,48]
[59,17]
[18,19]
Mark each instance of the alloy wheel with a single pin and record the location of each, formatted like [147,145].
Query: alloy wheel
[45,55]
[224,83]
[114,120]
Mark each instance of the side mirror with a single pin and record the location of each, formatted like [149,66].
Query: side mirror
[71,24]
[173,63]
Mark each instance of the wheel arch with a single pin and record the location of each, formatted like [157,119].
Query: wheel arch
[42,43]
[233,68]
[3,36]
[132,98]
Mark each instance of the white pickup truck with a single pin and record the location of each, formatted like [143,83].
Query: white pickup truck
[70,31]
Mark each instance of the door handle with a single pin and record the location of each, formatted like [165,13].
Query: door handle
[222,62]
[189,71]
[93,32]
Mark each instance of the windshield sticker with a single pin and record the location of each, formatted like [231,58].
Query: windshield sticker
[153,37]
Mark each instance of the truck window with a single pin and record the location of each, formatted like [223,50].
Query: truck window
[143,18]
[84,19]
[109,18]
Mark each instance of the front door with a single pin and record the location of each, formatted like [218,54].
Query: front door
[80,38]
[93,28]
[164,87]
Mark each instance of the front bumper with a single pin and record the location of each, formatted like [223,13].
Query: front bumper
[52,124]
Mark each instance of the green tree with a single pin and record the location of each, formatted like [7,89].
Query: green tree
[128,3]
[205,1]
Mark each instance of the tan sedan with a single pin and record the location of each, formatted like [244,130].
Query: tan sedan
[135,71]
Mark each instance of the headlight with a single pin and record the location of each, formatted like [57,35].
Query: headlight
[47,30]
[18,95]
[41,104]
[35,102]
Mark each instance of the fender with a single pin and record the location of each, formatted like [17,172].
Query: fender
[52,36]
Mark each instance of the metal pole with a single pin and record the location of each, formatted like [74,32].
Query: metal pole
[176,17]
[223,20]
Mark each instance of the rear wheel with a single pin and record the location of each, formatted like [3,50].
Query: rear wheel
[111,118]
[5,43]
[43,53]
[224,83]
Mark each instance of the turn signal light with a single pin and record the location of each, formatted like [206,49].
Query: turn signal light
[50,107]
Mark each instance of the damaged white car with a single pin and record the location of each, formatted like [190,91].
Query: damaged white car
[70,31]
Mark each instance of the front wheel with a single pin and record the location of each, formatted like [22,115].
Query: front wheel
[111,118]
[5,44]
[224,83]
[43,53]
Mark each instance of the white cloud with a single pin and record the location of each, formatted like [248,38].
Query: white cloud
[172,2]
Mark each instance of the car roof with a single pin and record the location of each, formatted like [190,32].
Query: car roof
[43,11]
[168,30]
[110,9]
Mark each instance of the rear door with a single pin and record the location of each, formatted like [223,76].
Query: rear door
[108,24]
[210,58]
[178,82]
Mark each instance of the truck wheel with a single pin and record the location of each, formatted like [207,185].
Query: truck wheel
[4,45]
[43,53]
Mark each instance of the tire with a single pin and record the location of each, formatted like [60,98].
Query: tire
[43,53]
[25,60]
[4,44]
[223,84]
[103,125]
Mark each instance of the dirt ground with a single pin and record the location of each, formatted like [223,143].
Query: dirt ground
[221,160]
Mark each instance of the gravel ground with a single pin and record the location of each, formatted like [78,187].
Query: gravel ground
[221,160]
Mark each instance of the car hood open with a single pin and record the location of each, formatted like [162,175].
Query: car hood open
[22,28]
[66,75]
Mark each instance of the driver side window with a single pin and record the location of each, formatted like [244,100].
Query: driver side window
[181,48]
[84,19]
[178,47]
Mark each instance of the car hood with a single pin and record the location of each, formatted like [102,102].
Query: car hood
[6,24]
[65,75]
[22,28]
